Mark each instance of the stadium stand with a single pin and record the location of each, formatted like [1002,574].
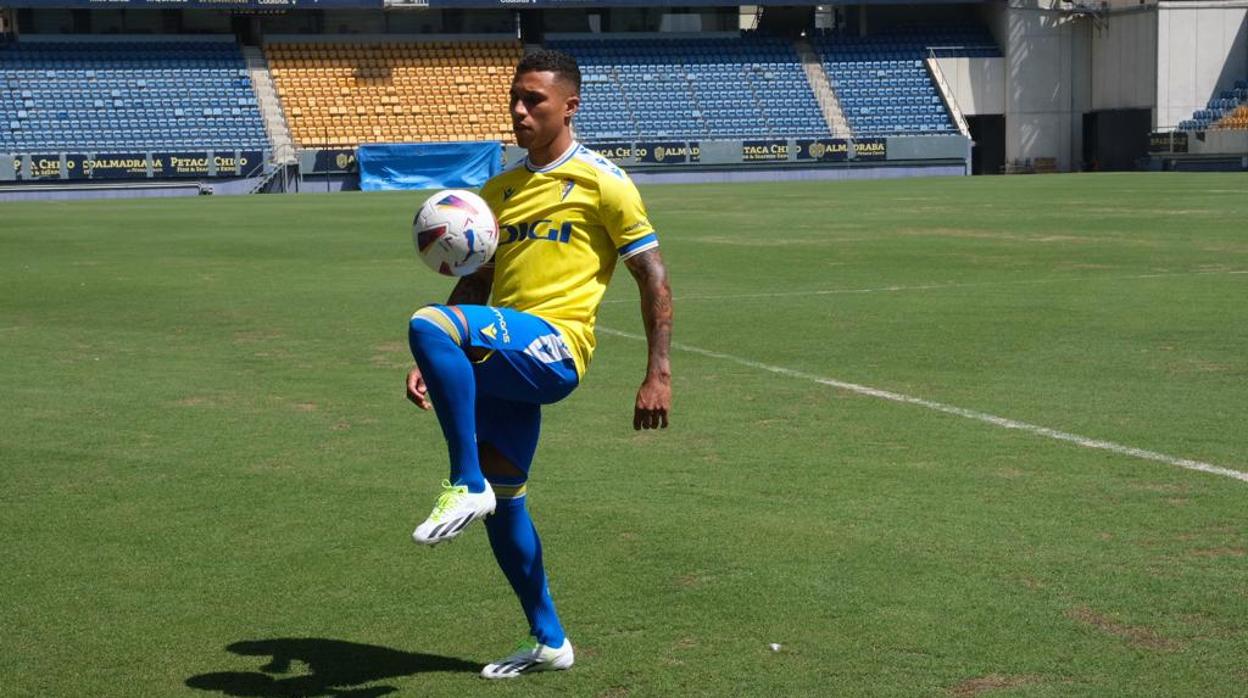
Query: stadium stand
[1236,119]
[956,40]
[126,95]
[720,87]
[339,95]
[1226,111]
[883,84]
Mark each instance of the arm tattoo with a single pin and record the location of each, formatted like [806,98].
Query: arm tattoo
[475,288]
[656,308]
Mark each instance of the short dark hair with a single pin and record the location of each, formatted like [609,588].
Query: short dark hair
[557,62]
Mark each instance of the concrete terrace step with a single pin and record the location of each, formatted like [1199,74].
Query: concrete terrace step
[829,105]
[270,105]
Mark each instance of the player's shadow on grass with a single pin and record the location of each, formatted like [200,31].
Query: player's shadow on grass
[318,667]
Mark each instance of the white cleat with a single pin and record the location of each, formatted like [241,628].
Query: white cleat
[529,657]
[455,509]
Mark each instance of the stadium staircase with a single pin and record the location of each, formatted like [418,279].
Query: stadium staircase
[270,107]
[946,95]
[1229,110]
[829,105]
[884,83]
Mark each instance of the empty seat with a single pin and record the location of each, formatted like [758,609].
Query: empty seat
[693,89]
[341,95]
[883,82]
[125,94]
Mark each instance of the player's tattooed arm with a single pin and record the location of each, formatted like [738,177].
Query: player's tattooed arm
[475,288]
[654,398]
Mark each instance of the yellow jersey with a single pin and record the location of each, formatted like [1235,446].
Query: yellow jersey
[561,230]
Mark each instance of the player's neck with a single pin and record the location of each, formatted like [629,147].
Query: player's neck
[557,148]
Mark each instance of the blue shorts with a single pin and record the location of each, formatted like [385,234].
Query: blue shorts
[528,366]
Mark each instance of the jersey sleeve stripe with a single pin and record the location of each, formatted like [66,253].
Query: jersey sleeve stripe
[638,246]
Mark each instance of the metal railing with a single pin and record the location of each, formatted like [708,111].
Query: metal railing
[946,92]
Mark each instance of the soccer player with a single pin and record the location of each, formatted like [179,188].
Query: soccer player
[566,217]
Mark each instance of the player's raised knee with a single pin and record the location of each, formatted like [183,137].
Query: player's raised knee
[436,320]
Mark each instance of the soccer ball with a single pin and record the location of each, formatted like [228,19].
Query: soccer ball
[455,232]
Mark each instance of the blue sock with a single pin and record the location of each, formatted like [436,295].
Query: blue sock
[453,388]
[519,553]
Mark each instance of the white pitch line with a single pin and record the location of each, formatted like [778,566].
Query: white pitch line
[931,287]
[994,420]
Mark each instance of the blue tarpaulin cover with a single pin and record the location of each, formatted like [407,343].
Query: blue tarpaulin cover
[428,165]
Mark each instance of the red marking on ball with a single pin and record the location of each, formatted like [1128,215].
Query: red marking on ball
[426,237]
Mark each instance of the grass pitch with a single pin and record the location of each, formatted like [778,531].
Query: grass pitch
[210,473]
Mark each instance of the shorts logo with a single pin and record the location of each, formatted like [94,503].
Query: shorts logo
[502,327]
[490,331]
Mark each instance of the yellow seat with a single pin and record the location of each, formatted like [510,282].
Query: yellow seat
[345,94]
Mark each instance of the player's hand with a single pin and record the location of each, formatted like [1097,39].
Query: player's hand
[416,390]
[654,401]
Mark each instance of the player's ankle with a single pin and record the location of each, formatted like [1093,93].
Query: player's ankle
[553,640]
[474,485]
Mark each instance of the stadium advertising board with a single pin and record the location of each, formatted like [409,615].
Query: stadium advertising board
[196,164]
[823,149]
[334,161]
[1159,142]
[77,167]
[764,151]
[182,164]
[871,149]
[42,167]
[619,153]
[667,152]
[135,165]
[248,162]
[117,166]
[1168,142]
[662,153]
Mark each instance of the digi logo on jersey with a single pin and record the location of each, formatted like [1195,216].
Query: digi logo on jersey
[545,229]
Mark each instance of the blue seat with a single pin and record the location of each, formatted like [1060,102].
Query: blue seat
[130,94]
[882,82]
[694,88]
